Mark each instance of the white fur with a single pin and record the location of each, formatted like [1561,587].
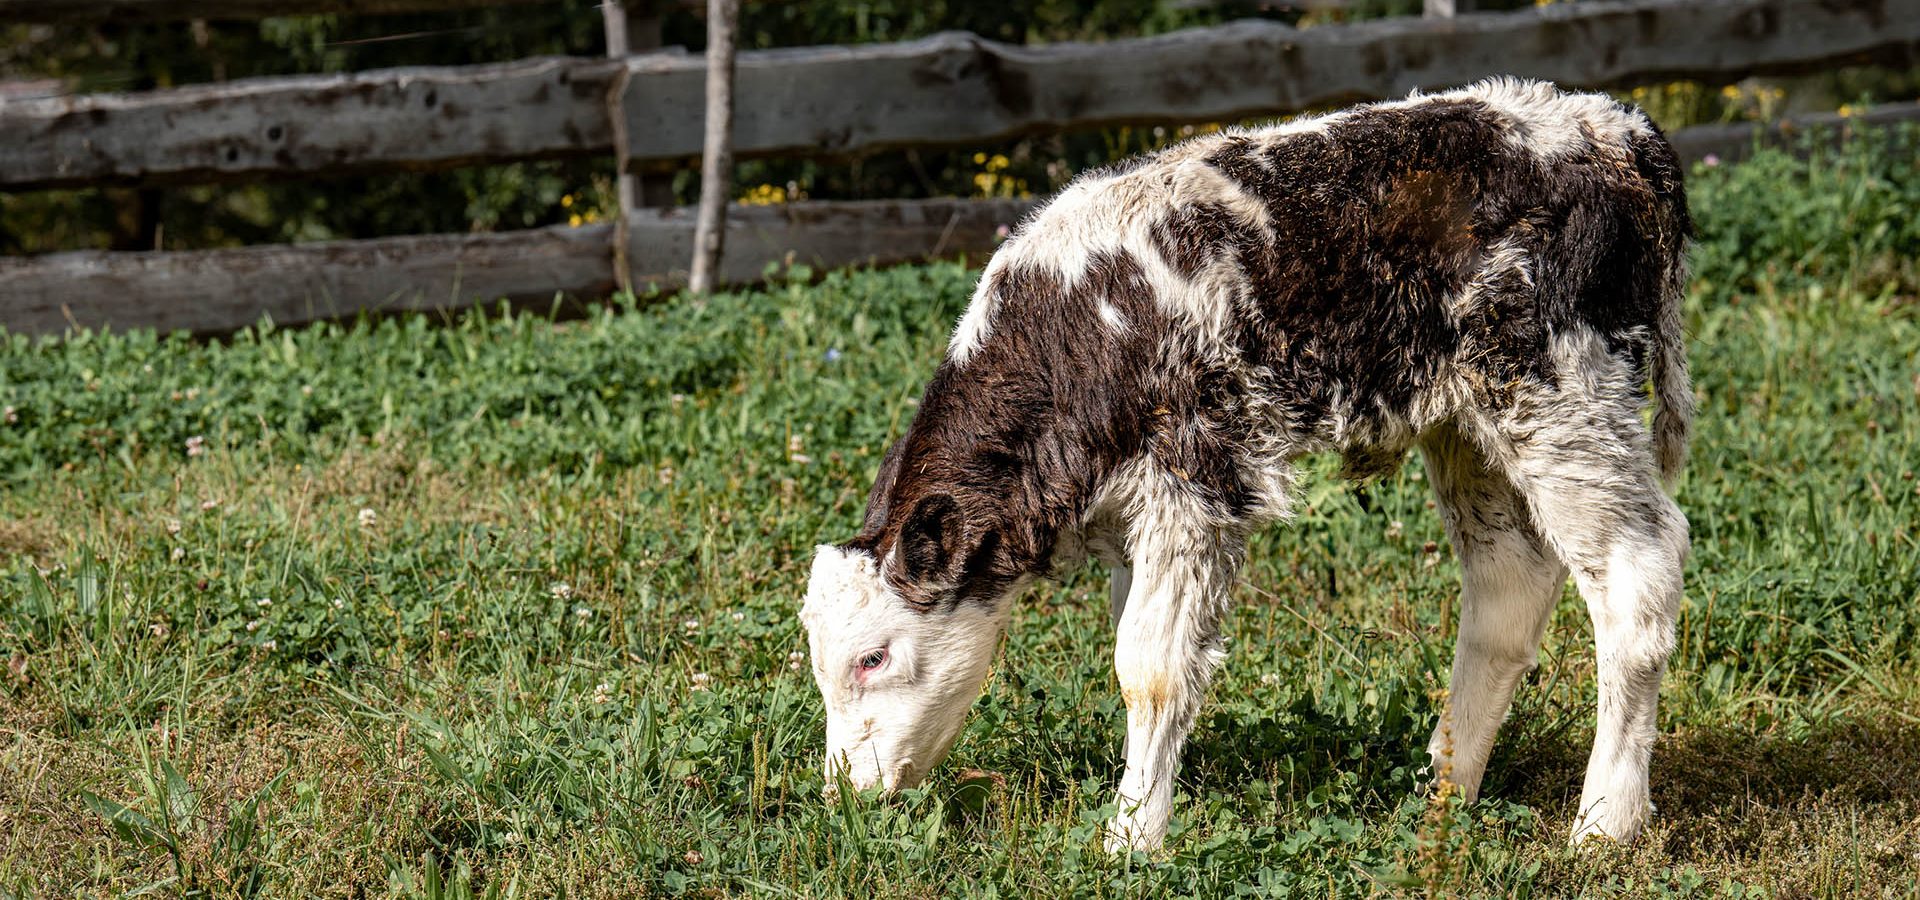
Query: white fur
[1546,121]
[1585,469]
[1509,582]
[1168,641]
[1065,235]
[977,322]
[891,727]
[1506,260]
[1204,303]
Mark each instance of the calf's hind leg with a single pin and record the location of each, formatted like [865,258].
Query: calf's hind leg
[1509,582]
[1583,463]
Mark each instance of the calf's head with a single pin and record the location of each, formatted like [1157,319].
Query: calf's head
[901,643]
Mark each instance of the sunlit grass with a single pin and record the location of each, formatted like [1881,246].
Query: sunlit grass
[504,606]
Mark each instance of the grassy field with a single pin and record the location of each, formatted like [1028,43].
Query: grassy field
[506,607]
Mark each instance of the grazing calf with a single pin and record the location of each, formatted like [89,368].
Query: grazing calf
[1491,275]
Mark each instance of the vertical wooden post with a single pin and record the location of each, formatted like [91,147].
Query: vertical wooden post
[716,161]
[613,15]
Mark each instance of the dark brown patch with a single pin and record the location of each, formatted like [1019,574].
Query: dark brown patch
[1192,236]
[1008,451]
[1434,209]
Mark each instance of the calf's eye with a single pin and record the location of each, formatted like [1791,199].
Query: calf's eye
[873,660]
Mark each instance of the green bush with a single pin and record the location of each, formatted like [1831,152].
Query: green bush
[1838,217]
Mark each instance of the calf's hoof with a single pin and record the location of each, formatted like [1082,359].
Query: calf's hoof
[1618,823]
[1126,834]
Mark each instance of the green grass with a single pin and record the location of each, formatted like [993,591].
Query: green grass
[225,678]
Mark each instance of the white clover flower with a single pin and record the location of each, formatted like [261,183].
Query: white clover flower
[173,526]
[339,603]
[178,554]
[270,644]
[368,518]
[1270,678]
[1394,529]
[209,505]
[702,681]
[9,415]
[691,625]
[196,445]
[602,692]
[263,602]
[666,474]
[583,613]
[255,624]
[560,590]
[158,629]
[796,660]
[511,837]
[738,617]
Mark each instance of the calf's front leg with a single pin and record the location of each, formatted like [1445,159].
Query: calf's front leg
[1165,648]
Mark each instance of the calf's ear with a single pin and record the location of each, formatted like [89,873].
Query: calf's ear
[943,558]
[929,544]
[881,497]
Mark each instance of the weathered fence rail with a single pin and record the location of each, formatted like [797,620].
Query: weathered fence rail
[181,10]
[950,89]
[220,290]
[1735,142]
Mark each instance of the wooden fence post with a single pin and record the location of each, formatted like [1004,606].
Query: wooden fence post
[716,160]
[1445,9]
[613,15]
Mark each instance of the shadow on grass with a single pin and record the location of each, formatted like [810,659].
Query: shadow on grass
[1710,770]
[1724,775]
[1727,796]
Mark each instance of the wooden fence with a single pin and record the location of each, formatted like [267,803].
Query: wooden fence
[181,10]
[947,90]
